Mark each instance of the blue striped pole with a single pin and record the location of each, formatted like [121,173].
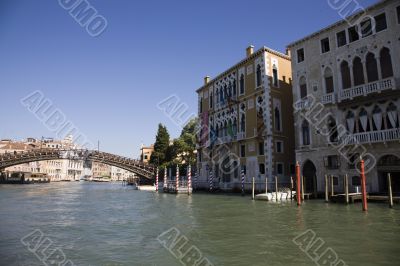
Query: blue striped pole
[242,173]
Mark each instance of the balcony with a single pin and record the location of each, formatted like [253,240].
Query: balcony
[303,104]
[240,135]
[372,137]
[329,98]
[366,89]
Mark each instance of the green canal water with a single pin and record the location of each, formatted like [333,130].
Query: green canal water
[108,224]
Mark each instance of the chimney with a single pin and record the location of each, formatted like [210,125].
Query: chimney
[206,80]
[250,50]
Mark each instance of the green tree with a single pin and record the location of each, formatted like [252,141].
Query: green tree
[160,146]
[183,148]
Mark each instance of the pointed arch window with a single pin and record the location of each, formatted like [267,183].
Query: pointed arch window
[258,75]
[358,72]
[333,133]
[392,116]
[305,129]
[350,121]
[372,68]
[241,84]
[363,124]
[345,71]
[377,118]
[303,87]
[234,127]
[243,123]
[234,87]
[328,76]
[386,63]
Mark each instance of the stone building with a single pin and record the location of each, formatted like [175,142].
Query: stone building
[346,89]
[246,121]
[145,153]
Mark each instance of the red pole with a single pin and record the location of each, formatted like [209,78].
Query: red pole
[363,186]
[298,184]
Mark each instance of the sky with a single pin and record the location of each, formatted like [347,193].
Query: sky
[109,86]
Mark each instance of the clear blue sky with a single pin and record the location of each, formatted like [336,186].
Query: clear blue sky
[109,86]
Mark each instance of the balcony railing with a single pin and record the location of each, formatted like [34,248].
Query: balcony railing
[302,104]
[372,137]
[241,135]
[364,90]
[328,98]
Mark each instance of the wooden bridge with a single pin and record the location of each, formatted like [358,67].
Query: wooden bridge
[135,166]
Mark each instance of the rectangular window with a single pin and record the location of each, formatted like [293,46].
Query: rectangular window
[243,151]
[353,34]
[211,100]
[261,148]
[261,168]
[279,146]
[335,180]
[332,162]
[325,45]
[300,55]
[398,14]
[341,38]
[275,77]
[279,168]
[380,22]
[366,28]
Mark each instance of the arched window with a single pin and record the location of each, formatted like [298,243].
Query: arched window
[243,123]
[211,100]
[392,116]
[303,87]
[241,85]
[345,71]
[386,63]
[217,131]
[363,123]
[234,87]
[372,68]
[225,128]
[305,129]
[329,87]
[258,75]
[350,125]
[377,118]
[275,76]
[333,133]
[234,126]
[358,72]
[221,95]
[277,120]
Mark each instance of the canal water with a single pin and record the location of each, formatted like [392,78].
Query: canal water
[108,224]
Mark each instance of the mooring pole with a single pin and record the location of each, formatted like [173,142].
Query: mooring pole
[291,188]
[332,188]
[252,190]
[177,179]
[298,184]
[363,186]
[157,180]
[390,190]
[346,188]
[189,175]
[276,188]
[266,185]
[242,172]
[326,189]
[165,178]
[302,188]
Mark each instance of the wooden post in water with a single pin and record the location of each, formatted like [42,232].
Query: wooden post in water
[390,195]
[276,188]
[298,184]
[332,192]
[326,188]
[157,180]
[346,188]
[266,185]
[252,190]
[302,188]
[363,186]
[291,188]
[189,177]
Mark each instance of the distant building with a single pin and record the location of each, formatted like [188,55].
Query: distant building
[101,170]
[118,174]
[145,153]
[246,113]
[351,70]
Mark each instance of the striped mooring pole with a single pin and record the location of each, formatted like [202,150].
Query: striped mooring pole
[243,177]
[165,178]
[211,180]
[298,184]
[189,175]
[363,186]
[157,180]
[177,178]
[195,180]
